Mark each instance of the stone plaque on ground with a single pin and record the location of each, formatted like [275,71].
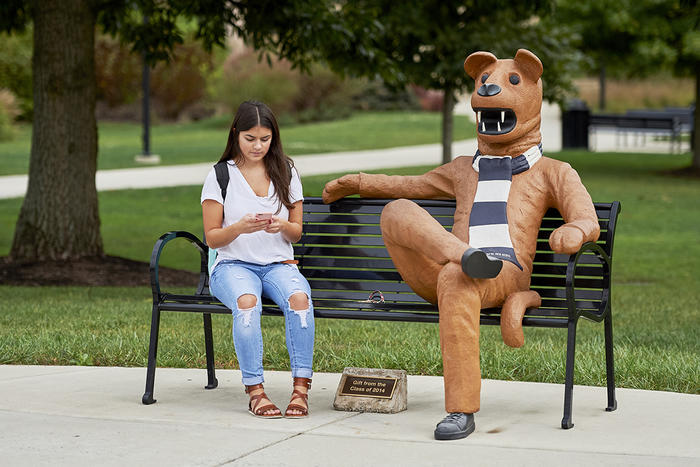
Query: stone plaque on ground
[371,390]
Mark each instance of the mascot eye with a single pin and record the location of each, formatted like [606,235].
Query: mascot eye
[514,79]
[484,77]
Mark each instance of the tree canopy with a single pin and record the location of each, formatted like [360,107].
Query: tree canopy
[59,217]
[635,38]
[426,43]
[422,42]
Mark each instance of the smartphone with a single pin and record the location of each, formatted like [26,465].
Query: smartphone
[261,216]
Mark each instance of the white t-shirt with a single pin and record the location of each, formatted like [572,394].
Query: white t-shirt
[257,247]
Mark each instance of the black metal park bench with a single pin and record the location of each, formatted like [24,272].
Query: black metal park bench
[342,255]
[642,123]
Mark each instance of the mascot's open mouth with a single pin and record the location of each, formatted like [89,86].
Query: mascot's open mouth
[495,121]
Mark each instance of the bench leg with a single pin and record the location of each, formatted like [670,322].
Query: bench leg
[569,383]
[212,382]
[610,363]
[152,351]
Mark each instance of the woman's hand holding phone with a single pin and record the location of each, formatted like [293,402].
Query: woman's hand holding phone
[274,226]
[252,223]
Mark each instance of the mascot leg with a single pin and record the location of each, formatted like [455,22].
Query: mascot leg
[419,246]
[512,316]
[408,225]
[459,302]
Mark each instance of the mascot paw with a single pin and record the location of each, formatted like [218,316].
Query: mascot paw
[512,316]
[476,264]
[566,239]
[341,187]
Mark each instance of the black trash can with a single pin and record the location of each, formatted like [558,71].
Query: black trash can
[574,125]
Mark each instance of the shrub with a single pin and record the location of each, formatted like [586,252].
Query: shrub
[430,100]
[16,70]
[176,86]
[9,110]
[323,95]
[377,96]
[242,77]
[118,72]
[655,92]
[292,95]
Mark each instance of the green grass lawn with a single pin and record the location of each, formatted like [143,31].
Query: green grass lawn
[656,291]
[204,141]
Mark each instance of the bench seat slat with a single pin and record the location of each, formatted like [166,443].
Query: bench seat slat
[387,306]
[321,294]
[549,306]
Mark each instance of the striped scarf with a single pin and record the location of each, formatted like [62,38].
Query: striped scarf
[488,222]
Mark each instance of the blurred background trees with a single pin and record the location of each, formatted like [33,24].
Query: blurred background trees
[309,60]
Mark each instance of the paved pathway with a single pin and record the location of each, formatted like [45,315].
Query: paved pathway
[338,162]
[194,174]
[93,416]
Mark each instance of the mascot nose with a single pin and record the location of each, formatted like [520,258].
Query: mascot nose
[487,90]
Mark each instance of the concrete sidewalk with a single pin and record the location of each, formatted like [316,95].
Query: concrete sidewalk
[94,416]
[13,186]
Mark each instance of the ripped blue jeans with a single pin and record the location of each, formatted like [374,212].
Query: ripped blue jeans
[277,281]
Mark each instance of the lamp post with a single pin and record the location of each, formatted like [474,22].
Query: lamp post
[146,157]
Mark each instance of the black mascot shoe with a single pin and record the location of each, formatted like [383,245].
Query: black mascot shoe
[456,425]
[476,264]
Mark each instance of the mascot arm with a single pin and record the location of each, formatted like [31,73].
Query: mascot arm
[435,184]
[575,204]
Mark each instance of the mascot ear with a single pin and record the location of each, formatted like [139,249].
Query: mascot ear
[530,65]
[477,62]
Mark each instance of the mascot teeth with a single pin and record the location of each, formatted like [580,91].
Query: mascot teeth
[495,121]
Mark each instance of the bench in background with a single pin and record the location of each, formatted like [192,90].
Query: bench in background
[671,122]
[342,255]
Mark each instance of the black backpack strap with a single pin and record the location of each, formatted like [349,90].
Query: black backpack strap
[221,169]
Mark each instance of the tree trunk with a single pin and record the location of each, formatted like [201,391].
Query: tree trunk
[448,104]
[59,218]
[695,135]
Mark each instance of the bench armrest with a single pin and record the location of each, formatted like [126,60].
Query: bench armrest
[158,249]
[574,313]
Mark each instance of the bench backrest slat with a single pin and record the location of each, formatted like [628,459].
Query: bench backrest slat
[343,256]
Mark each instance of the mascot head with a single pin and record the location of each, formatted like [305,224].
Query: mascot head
[507,101]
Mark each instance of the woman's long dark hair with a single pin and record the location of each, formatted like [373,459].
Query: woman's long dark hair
[277,164]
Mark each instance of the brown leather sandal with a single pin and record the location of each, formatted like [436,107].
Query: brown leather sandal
[257,410]
[296,394]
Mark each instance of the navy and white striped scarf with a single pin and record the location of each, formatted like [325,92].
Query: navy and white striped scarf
[488,222]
